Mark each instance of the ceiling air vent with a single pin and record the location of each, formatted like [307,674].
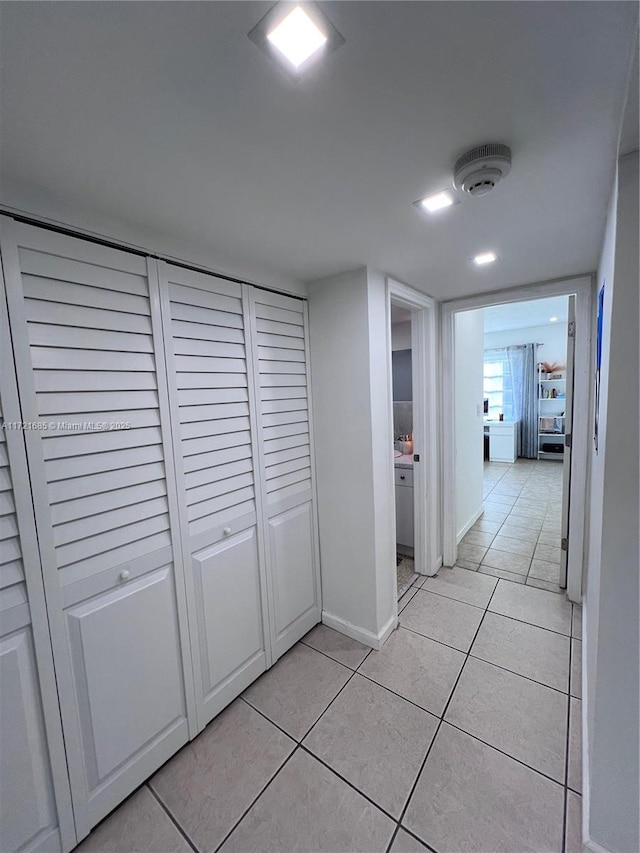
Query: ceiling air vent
[479,170]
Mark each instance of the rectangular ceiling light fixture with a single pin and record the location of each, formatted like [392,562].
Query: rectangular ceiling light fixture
[437,201]
[484,258]
[296,35]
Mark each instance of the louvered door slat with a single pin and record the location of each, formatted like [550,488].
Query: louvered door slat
[204,323]
[281,380]
[92,380]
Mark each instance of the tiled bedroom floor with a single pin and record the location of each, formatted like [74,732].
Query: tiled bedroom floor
[518,537]
[461,734]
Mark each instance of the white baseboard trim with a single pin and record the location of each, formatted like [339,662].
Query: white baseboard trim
[593,846]
[368,638]
[469,524]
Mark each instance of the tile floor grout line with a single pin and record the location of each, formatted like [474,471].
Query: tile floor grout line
[513,672]
[255,800]
[268,719]
[327,655]
[568,743]
[399,695]
[449,597]
[347,782]
[440,723]
[168,813]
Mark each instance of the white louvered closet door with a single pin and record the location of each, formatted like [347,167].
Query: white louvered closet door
[215,446]
[35,802]
[86,331]
[279,331]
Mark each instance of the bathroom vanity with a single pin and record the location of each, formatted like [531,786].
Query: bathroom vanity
[403,469]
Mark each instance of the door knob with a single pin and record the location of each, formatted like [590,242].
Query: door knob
[226,531]
[124,575]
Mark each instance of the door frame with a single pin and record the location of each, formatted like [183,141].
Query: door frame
[427,553]
[582,288]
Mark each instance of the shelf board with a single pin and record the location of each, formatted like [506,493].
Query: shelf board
[552,380]
[551,434]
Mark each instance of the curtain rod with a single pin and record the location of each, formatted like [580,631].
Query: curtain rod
[513,346]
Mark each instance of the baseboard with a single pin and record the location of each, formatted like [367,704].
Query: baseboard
[362,635]
[469,524]
[593,846]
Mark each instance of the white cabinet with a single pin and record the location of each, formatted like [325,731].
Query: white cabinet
[503,441]
[404,507]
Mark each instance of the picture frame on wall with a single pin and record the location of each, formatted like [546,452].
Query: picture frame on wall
[599,328]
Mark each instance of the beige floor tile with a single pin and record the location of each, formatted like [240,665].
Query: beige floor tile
[375,740]
[576,622]
[544,571]
[472,588]
[525,649]
[574,770]
[576,668]
[477,537]
[516,531]
[536,606]
[500,573]
[498,500]
[487,526]
[137,826]
[469,565]
[526,720]
[297,689]
[523,520]
[531,509]
[573,836]
[517,564]
[547,553]
[471,552]
[405,843]
[472,798]
[338,646]
[442,619]
[548,585]
[546,538]
[491,514]
[513,546]
[406,598]
[209,784]
[308,808]
[420,669]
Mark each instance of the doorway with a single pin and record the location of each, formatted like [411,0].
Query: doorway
[511,384]
[412,433]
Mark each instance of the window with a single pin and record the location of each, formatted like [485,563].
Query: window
[497,384]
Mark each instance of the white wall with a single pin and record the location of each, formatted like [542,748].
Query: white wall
[469,425]
[350,383]
[89,221]
[612,642]
[553,336]
[401,335]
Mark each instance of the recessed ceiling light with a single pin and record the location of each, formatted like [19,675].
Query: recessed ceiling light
[297,37]
[484,258]
[437,201]
[553,319]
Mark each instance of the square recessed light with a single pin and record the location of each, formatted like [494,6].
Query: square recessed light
[484,258]
[437,201]
[553,319]
[296,35]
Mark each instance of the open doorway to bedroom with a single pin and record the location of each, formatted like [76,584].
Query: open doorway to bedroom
[510,462]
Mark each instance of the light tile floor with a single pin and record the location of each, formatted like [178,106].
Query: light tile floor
[461,734]
[518,537]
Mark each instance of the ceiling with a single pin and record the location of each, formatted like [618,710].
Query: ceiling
[525,315]
[167,116]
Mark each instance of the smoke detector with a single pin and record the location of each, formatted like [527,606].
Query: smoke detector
[479,170]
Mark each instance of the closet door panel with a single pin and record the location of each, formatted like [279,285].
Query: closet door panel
[35,802]
[90,361]
[125,652]
[215,445]
[280,358]
[28,818]
[230,629]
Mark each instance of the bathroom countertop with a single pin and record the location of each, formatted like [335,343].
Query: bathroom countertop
[404,461]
